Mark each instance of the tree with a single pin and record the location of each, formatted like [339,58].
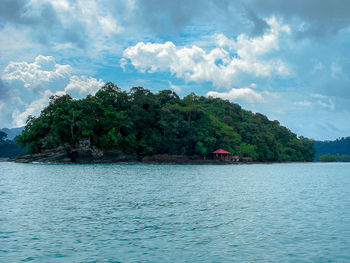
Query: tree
[3,136]
[140,122]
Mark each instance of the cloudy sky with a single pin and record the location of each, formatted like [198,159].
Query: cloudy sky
[289,60]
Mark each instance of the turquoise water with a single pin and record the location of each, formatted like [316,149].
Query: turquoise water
[164,213]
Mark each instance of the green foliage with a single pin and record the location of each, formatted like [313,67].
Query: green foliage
[248,150]
[334,158]
[143,123]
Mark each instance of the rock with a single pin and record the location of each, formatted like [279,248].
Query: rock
[83,153]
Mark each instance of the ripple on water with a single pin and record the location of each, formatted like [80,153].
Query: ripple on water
[163,213]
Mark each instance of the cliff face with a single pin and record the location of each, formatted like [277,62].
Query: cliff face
[82,153]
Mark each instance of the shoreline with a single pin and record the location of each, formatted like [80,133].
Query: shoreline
[119,158]
[132,162]
[199,162]
[140,162]
[62,156]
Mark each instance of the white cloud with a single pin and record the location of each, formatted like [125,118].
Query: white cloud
[221,65]
[41,79]
[33,109]
[327,104]
[174,87]
[45,73]
[109,25]
[83,85]
[303,103]
[324,101]
[336,70]
[43,70]
[250,48]
[319,96]
[246,94]
[78,87]
[272,94]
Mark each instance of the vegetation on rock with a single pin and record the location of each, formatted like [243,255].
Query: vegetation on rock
[143,123]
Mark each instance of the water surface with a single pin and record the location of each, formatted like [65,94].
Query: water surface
[175,213]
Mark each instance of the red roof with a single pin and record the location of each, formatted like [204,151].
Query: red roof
[221,151]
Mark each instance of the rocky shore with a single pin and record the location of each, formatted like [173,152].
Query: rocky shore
[94,156]
[81,155]
[112,157]
[85,153]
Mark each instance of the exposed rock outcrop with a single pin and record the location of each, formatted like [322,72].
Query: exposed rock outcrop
[82,153]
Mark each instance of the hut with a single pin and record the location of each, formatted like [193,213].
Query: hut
[221,154]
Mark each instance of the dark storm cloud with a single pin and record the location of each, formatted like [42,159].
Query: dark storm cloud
[322,17]
[76,33]
[19,12]
[177,13]
[43,21]
[167,17]
[319,17]
[12,10]
[159,16]
[260,25]
[317,10]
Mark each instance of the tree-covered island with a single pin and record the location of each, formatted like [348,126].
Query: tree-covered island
[139,123]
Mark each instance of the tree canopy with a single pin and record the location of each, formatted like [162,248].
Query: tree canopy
[143,123]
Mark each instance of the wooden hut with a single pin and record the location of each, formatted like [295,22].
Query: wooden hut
[221,154]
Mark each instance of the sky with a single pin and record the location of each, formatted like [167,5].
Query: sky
[289,60]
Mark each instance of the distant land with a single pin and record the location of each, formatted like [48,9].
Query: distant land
[12,133]
[332,151]
[116,125]
[8,148]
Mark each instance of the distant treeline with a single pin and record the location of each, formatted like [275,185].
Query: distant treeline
[334,158]
[335,148]
[13,132]
[140,122]
[9,148]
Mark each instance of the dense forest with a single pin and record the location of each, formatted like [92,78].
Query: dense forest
[140,122]
[8,148]
[333,151]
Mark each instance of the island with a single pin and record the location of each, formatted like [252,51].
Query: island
[139,126]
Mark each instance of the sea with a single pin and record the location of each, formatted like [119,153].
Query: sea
[295,212]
